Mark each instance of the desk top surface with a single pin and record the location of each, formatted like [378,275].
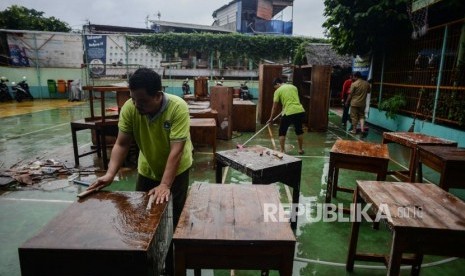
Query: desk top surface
[415,205]
[360,148]
[243,102]
[202,122]
[257,157]
[106,88]
[102,221]
[444,152]
[411,139]
[231,212]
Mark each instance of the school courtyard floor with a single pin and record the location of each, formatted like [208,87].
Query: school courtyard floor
[40,130]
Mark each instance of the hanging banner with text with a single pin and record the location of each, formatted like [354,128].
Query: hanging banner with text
[96,54]
[362,65]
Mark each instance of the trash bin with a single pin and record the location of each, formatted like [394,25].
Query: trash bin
[61,86]
[52,88]
[68,85]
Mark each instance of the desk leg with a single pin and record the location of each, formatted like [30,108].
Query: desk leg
[329,187]
[219,171]
[413,165]
[395,259]
[353,235]
[179,261]
[295,200]
[103,140]
[287,264]
[75,147]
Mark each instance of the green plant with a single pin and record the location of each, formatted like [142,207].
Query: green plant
[393,105]
[229,46]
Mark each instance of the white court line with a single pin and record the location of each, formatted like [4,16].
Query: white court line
[372,266]
[37,200]
[32,132]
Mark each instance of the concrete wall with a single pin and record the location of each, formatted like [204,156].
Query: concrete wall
[39,90]
[403,123]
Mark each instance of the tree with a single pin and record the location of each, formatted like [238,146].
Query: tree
[21,18]
[358,27]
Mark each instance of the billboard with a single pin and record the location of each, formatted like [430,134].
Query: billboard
[96,47]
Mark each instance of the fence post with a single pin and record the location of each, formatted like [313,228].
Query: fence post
[381,80]
[441,67]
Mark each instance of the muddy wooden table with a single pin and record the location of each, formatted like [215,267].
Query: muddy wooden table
[448,161]
[423,218]
[225,226]
[106,233]
[264,167]
[357,156]
[411,140]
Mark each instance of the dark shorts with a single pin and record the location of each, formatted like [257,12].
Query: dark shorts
[294,119]
[178,191]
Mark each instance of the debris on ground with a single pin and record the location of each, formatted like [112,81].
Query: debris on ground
[35,172]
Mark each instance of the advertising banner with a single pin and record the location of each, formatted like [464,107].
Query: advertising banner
[362,65]
[96,53]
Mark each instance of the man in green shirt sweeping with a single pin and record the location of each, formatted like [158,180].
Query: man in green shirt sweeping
[292,110]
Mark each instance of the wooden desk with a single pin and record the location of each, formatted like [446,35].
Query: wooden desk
[224,227]
[424,219]
[357,156]
[263,168]
[448,161]
[124,91]
[411,140]
[244,116]
[107,233]
[203,131]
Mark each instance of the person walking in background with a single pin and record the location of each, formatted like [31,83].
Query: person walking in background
[357,101]
[344,94]
[293,112]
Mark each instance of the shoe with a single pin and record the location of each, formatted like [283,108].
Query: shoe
[353,132]
[301,152]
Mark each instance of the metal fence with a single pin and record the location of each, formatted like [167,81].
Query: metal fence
[430,71]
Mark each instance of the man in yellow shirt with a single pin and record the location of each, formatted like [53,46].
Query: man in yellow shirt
[293,112]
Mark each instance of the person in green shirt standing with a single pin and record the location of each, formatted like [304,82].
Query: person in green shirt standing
[293,112]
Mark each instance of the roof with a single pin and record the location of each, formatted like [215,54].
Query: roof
[324,54]
[108,29]
[222,7]
[187,27]
[278,6]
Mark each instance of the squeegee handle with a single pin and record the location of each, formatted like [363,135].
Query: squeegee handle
[256,133]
